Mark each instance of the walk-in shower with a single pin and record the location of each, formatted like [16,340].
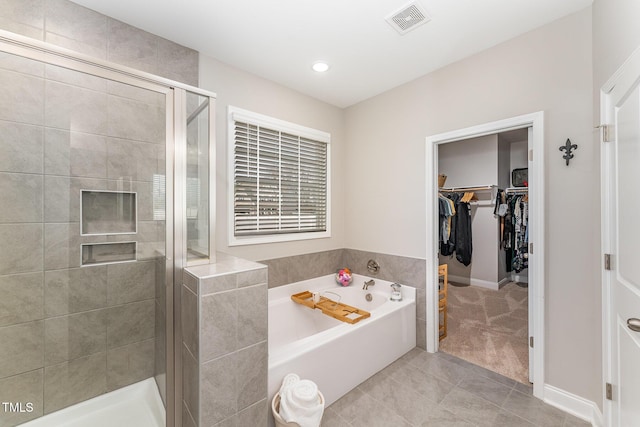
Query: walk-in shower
[104,197]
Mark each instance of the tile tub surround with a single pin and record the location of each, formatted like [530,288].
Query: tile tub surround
[296,268]
[394,268]
[224,352]
[410,271]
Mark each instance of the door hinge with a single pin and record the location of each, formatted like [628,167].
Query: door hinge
[607,261]
[531,155]
[607,132]
[530,248]
[531,342]
[609,391]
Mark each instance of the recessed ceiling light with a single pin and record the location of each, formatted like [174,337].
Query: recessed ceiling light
[320,66]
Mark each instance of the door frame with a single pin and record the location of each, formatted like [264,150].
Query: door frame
[535,121]
[610,93]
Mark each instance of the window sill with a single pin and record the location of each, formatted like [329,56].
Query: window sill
[276,238]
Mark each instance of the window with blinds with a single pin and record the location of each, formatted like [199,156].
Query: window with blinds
[280,180]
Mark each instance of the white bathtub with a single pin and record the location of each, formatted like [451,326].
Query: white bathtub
[336,355]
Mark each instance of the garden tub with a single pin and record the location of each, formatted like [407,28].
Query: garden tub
[336,355]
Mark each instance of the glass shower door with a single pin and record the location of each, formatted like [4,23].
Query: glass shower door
[83,238]
[198,179]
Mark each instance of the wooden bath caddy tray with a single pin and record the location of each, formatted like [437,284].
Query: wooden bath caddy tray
[332,308]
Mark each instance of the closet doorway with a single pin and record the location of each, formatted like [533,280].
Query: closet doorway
[486,291]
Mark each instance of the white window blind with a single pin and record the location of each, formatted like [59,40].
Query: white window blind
[279,181]
[159,193]
[193,197]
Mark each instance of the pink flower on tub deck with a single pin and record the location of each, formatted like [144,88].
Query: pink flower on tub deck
[344,276]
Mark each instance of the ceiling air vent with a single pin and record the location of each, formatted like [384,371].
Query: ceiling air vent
[409,17]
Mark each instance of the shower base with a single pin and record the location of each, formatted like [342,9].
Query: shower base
[136,405]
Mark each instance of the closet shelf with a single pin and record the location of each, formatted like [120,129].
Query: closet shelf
[517,190]
[493,189]
[468,188]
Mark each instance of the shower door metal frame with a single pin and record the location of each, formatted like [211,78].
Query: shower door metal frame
[175,177]
[210,105]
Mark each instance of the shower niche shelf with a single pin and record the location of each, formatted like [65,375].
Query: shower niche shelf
[107,253]
[108,212]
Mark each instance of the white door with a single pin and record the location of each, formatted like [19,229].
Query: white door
[621,211]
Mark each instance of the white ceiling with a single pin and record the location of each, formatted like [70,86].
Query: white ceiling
[280,39]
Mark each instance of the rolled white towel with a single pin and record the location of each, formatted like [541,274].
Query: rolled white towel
[301,403]
[305,393]
[288,381]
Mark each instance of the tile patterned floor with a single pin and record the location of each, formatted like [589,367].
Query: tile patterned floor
[424,389]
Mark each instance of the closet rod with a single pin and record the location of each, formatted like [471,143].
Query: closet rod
[517,190]
[459,189]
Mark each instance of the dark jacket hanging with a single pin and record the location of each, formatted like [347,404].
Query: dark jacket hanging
[464,247]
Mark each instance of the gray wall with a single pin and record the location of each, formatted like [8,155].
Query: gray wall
[548,69]
[71,333]
[616,35]
[244,90]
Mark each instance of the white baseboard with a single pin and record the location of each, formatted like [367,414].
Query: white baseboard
[574,405]
[503,282]
[477,282]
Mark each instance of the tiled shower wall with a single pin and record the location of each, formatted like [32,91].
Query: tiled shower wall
[69,333]
[68,25]
[409,271]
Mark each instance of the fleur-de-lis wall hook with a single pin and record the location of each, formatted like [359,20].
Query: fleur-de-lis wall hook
[568,147]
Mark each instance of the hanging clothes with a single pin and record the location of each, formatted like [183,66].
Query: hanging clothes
[458,238]
[464,246]
[447,211]
[515,233]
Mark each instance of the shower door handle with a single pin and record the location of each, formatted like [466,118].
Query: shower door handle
[633,324]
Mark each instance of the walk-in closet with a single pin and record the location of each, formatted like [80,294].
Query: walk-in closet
[483,251]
